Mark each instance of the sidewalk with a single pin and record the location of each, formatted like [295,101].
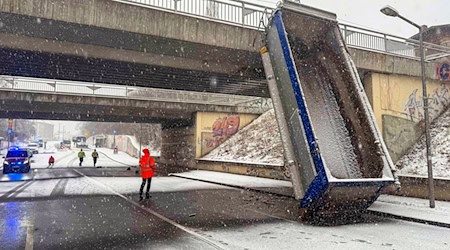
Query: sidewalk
[406,208]
[413,209]
[239,181]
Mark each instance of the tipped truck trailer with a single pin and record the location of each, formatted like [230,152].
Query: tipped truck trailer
[337,157]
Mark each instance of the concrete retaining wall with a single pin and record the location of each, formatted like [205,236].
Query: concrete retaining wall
[398,107]
[413,186]
[266,171]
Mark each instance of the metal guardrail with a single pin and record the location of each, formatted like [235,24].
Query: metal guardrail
[381,42]
[230,11]
[48,86]
[250,15]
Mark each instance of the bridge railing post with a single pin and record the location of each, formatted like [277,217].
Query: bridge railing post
[243,14]
[385,43]
[345,33]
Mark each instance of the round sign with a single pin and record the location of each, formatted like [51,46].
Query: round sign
[444,71]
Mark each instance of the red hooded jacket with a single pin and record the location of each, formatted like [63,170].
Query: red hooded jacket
[147,165]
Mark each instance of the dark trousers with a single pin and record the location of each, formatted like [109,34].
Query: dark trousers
[95,160]
[81,161]
[148,181]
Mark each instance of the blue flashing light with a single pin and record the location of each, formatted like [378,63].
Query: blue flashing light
[15,177]
[19,163]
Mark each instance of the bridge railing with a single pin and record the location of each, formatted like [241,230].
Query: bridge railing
[362,38]
[230,11]
[37,85]
[250,15]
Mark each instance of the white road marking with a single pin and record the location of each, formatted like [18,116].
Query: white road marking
[29,240]
[173,223]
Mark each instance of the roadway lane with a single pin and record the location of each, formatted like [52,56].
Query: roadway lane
[69,158]
[89,223]
[103,213]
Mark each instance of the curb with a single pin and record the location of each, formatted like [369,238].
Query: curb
[406,218]
[234,186]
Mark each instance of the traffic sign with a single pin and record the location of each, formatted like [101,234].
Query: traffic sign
[443,71]
[10,123]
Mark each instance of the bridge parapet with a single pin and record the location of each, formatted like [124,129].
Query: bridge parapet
[243,104]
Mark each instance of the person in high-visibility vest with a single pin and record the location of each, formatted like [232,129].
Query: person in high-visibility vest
[81,156]
[95,157]
[147,165]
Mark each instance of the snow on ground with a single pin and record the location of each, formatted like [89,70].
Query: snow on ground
[62,159]
[264,230]
[413,208]
[120,157]
[281,234]
[414,162]
[69,158]
[235,179]
[259,143]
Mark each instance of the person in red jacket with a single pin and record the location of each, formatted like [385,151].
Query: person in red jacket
[51,161]
[147,165]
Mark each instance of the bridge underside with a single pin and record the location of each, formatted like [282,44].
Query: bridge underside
[23,105]
[57,66]
[44,48]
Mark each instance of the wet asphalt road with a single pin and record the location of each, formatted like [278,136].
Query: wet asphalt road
[206,217]
[89,223]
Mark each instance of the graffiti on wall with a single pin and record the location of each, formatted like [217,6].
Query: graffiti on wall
[222,129]
[438,101]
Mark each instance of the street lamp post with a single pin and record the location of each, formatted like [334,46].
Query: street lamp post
[114,140]
[140,141]
[389,11]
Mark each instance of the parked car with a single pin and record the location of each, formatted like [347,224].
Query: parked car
[66,144]
[33,147]
[17,160]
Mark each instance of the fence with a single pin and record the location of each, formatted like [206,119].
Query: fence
[250,16]
[230,11]
[373,40]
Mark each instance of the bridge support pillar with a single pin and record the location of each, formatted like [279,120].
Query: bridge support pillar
[178,145]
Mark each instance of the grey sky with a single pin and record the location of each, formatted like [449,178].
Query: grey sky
[366,13]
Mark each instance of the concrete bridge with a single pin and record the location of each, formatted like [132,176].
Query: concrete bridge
[32,98]
[186,117]
[141,42]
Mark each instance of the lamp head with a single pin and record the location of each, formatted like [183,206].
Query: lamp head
[389,11]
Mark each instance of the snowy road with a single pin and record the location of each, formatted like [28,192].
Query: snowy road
[95,212]
[69,158]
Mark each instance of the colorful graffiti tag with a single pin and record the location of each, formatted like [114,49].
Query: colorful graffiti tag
[222,129]
[438,101]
